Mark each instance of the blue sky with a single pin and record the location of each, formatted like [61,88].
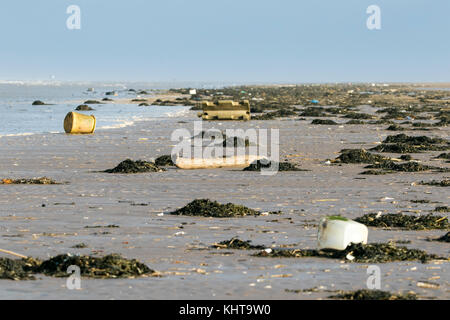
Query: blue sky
[232,40]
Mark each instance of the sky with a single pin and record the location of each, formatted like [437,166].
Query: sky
[254,41]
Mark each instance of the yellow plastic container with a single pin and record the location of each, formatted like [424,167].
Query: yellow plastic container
[75,122]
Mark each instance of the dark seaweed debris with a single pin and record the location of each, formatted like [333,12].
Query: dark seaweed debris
[444,238]
[130,166]
[81,245]
[362,253]
[208,208]
[354,121]
[19,269]
[275,114]
[84,107]
[411,166]
[403,221]
[43,180]
[282,166]
[164,160]
[366,294]
[356,115]
[395,127]
[443,156]
[415,140]
[358,156]
[110,266]
[443,183]
[324,121]
[235,243]
[401,143]
[442,209]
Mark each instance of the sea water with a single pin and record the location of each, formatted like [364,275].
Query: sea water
[19,117]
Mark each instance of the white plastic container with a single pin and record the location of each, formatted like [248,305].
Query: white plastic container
[337,232]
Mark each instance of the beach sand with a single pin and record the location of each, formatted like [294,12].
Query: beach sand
[189,268]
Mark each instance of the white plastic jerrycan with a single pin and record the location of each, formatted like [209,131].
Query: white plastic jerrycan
[336,232]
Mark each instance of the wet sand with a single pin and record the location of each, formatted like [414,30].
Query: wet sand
[189,268]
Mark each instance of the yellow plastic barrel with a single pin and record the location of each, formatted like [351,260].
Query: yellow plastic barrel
[75,122]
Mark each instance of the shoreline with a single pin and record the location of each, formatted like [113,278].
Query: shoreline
[135,203]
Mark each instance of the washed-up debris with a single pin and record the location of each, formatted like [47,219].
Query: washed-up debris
[275,114]
[208,208]
[403,221]
[18,269]
[442,183]
[144,104]
[354,121]
[282,166]
[324,121]
[402,143]
[376,172]
[235,142]
[442,209]
[359,156]
[84,107]
[410,166]
[395,127]
[313,112]
[357,115]
[130,166]
[235,243]
[38,103]
[164,160]
[92,102]
[443,156]
[405,157]
[398,148]
[420,201]
[415,140]
[110,266]
[337,232]
[444,238]
[107,226]
[360,253]
[366,294]
[43,180]
[81,245]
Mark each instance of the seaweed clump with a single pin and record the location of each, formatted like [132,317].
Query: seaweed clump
[442,183]
[257,165]
[19,269]
[43,180]
[410,166]
[358,156]
[444,238]
[443,156]
[130,166]
[324,121]
[235,243]
[403,221]
[275,114]
[366,294]
[208,208]
[401,143]
[110,266]
[164,160]
[361,253]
